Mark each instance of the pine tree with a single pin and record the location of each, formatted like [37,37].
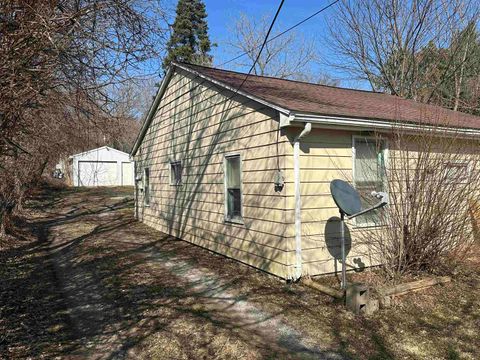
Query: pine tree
[189,41]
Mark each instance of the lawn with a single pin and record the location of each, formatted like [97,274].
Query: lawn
[83,279]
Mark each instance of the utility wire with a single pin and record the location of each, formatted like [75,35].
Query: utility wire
[262,46]
[285,31]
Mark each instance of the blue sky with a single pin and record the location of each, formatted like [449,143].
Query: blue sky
[222,13]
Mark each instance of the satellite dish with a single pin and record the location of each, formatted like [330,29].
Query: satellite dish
[346,197]
[348,201]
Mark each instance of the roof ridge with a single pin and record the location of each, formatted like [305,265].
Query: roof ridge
[290,80]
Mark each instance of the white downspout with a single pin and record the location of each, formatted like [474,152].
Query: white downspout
[298,200]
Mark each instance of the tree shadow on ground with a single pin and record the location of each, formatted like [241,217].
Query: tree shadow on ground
[103,289]
[95,282]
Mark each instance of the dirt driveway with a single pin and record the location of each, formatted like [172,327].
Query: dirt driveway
[94,283]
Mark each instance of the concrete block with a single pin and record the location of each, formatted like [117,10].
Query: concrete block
[357,297]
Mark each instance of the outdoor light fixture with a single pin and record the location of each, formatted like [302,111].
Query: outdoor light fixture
[348,202]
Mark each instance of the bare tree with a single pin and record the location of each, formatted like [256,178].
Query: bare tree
[133,98]
[58,60]
[291,56]
[397,45]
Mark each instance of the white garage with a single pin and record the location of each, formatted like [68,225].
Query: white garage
[103,166]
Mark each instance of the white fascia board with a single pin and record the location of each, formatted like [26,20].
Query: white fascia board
[381,125]
[235,90]
[286,120]
[153,108]
[98,149]
[89,151]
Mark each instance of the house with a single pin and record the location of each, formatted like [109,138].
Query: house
[246,173]
[103,166]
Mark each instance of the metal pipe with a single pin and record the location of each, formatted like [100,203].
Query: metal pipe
[298,200]
[342,240]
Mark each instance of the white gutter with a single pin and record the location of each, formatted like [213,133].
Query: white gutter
[298,200]
[368,124]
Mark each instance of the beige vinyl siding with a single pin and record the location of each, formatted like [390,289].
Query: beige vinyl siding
[324,155]
[200,130]
[195,125]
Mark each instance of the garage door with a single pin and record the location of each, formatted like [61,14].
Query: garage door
[97,173]
[127,173]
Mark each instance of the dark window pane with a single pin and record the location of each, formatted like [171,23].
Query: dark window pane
[176,173]
[233,187]
[147,186]
[234,203]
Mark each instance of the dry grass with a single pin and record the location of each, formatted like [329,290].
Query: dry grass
[150,313]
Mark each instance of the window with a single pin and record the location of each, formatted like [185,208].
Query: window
[233,189]
[369,175]
[146,186]
[176,173]
[457,172]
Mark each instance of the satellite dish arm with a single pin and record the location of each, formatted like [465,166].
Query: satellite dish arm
[383,196]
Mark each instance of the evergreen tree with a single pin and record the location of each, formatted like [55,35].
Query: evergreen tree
[189,41]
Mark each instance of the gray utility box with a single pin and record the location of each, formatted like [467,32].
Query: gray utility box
[357,298]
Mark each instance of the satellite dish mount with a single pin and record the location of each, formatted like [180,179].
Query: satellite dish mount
[349,204]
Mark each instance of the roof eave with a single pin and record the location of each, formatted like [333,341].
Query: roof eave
[355,123]
[96,149]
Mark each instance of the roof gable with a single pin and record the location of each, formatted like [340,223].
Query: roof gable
[291,97]
[98,150]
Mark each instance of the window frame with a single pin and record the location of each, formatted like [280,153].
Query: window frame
[172,173]
[227,218]
[146,189]
[458,164]
[385,161]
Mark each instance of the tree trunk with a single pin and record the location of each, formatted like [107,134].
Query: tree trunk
[2,225]
[459,80]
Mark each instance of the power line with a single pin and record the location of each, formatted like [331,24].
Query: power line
[264,43]
[285,31]
[262,46]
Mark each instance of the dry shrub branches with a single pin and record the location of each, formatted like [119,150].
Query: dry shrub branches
[433,178]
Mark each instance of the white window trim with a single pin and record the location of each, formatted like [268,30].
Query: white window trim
[170,164]
[467,165]
[226,218]
[144,177]
[385,159]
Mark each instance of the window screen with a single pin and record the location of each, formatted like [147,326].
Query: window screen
[176,173]
[233,188]
[146,186]
[369,175]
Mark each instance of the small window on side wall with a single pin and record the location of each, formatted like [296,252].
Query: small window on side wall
[456,172]
[146,186]
[369,175]
[233,189]
[176,173]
